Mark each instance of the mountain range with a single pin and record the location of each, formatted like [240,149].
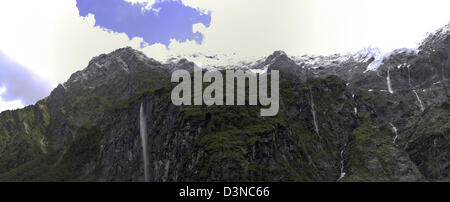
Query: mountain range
[365,116]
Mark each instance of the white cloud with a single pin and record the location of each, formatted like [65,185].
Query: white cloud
[149,2]
[8,105]
[147,5]
[255,27]
[50,38]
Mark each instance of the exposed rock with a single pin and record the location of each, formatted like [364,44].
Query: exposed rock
[89,129]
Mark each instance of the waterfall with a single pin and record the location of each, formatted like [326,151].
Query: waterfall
[356,110]
[342,166]
[409,76]
[143,130]
[316,127]
[389,82]
[395,131]
[422,108]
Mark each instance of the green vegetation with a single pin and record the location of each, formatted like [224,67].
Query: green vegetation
[221,143]
[78,162]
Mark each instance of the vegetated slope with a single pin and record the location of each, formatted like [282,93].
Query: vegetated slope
[337,121]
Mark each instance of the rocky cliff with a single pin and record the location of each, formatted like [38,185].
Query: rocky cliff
[355,117]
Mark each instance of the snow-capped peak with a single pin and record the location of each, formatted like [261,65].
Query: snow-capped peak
[216,60]
[368,53]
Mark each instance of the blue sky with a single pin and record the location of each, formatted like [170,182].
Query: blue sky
[43,42]
[158,23]
[163,21]
[20,83]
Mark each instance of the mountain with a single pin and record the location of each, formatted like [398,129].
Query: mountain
[356,117]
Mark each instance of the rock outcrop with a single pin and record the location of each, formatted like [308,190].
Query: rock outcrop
[88,129]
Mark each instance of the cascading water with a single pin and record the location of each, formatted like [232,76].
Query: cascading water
[409,75]
[388,78]
[143,130]
[395,131]
[342,166]
[313,111]
[422,108]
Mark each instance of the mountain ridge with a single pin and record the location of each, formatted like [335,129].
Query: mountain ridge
[387,124]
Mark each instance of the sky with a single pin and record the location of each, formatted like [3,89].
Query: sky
[43,42]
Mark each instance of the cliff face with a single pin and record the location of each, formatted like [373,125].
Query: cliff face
[337,121]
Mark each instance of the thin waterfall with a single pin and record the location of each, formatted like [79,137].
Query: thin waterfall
[409,75]
[342,166]
[313,111]
[143,130]
[422,108]
[388,78]
[395,131]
